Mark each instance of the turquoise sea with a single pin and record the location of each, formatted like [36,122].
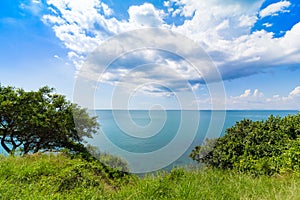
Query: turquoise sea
[157,139]
[151,140]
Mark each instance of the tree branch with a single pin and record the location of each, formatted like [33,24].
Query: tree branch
[5,147]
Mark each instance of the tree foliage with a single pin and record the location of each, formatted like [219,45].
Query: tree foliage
[259,147]
[42,120]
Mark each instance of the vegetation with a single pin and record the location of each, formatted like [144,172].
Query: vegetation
[261,147]
[33,124]
[49,176]
[108,159]
[39,175]
[32,121]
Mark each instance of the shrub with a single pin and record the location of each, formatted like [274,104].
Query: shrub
[258,147]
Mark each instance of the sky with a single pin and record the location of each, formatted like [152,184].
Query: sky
[201,55]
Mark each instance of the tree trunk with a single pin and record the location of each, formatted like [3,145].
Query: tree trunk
[5,147]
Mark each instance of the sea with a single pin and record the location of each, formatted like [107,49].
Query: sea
[162,139]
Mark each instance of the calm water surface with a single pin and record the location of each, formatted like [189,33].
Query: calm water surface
[144,132]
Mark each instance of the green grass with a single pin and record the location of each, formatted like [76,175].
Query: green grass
[60,177]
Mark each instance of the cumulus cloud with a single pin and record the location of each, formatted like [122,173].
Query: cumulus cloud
[135,58]
[257,100]
[81,33]
[76,29]
[290,43]
[107,11]
[275,8]
[145,15]
[247,93]
[228,40]
[249,96]
[221,28]
[226,37]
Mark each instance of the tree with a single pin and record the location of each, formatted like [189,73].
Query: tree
[42,120]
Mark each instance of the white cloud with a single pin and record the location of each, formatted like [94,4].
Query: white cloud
[107,11]
[227,38]
[257,100]
[291,43]
[145,15]
[295,92]
[247,21]
[148,66]
[221,28]
[223,25]
[247,93]
[36,1]
[82,33]
[50,19]
[167,3]
[33,6]
[174,12]
[74,27]
[213,25]
[267,25]
[257,93]
[57,56]
[275,8]
[76,59]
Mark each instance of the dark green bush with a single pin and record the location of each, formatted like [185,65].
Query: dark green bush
[258,147]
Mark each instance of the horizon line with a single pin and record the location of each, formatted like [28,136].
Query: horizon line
[107,109]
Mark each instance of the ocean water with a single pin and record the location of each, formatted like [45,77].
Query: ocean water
[153,140]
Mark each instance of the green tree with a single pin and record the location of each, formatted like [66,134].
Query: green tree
[42,120]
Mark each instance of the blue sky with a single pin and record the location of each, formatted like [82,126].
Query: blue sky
[254,45]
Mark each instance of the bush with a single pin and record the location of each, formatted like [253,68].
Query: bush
[113,161]
[260,147]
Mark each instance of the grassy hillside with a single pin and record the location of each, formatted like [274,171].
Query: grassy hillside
[60,177]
